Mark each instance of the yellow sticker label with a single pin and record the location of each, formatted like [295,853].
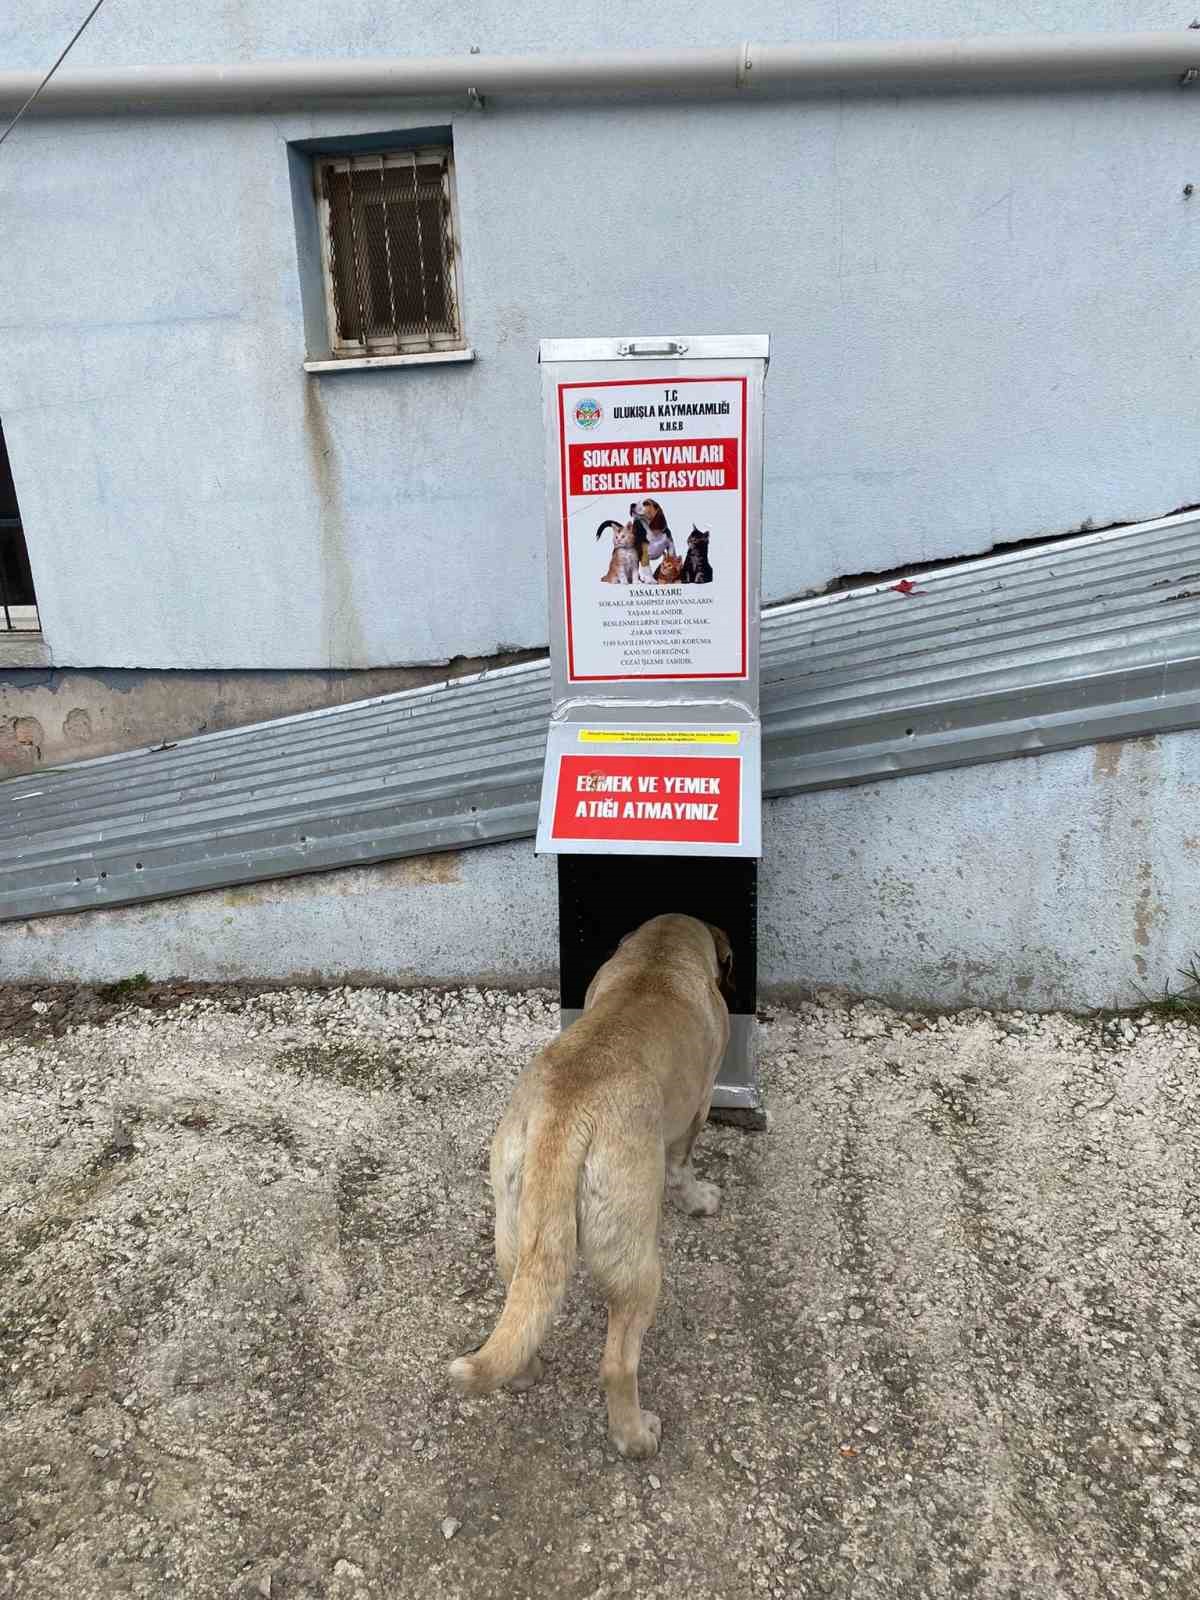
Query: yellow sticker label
[658,736]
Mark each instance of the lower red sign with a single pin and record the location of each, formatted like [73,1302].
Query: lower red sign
[682,799]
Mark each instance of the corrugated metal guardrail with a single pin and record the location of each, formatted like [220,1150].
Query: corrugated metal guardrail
[1090,638]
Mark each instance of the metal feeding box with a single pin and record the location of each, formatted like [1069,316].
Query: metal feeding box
[652,788]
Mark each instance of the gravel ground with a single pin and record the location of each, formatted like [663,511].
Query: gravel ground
[940,1341]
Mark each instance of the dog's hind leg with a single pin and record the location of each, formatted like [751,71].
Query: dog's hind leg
[690,1193]
[508,1165]
[619,1237]
[635,1432]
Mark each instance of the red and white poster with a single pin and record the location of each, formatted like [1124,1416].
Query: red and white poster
[653,492]
[686,800]
[651,790]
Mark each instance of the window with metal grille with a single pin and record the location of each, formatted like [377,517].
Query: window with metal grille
[389,252]
[18,605]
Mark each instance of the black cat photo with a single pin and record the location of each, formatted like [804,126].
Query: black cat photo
[696,568]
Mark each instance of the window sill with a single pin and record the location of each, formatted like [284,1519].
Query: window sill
[22,649]
[427,358]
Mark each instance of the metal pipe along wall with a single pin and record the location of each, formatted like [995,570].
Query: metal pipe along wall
[1010,60]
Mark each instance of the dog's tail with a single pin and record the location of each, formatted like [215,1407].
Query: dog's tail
[546,1244]
[609,524]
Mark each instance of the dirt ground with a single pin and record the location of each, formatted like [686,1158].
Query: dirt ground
[940,1342]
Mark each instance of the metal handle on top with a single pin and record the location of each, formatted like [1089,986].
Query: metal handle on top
[652,347]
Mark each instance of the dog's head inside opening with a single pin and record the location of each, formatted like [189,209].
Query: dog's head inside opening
[722,948]
[724,959]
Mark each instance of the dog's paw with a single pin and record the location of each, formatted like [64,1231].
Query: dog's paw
[704,1200]
[640,1443]
[696,1197]
[527,1379]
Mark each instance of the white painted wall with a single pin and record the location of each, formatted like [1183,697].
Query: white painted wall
[980,312]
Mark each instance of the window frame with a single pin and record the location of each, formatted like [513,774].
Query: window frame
[391,345]
[12,535]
